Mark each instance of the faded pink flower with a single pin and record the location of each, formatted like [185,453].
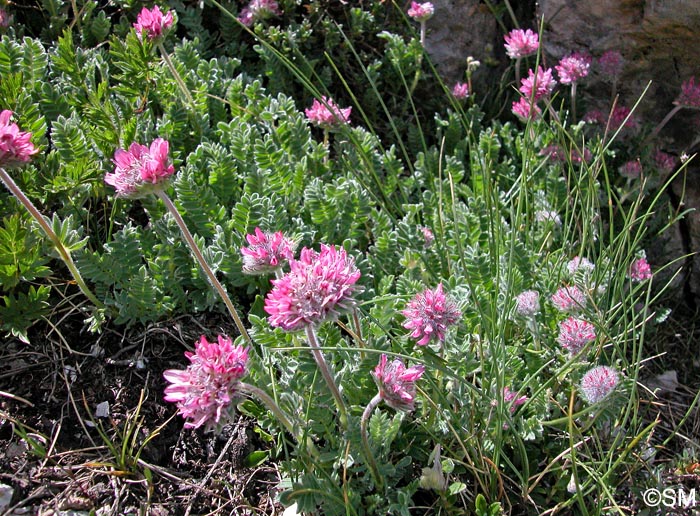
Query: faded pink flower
[664,162]
[428,237]
[259,10]
[569,299]
[327,115]
[318,287]
[421,12]
[429,314]
[521,43]
[141,170]
[206,392]
[690,94]
[525,111]
[574,334]
[557,153]
[527,303]
[397,384]
[611,63]
[640,270]
[267,253]
[572,68]
[632,169]
[153,22]
[460,90]
[548,216]
[618,117]
[539,84]
[510,396]
[15,146]
[578,263]
[5,18]
[598,383]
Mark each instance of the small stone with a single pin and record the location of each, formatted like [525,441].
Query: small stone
[102,409]
[6,493]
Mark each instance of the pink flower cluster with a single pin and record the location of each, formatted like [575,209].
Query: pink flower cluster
[664,161]
[573,67]
[267,253]
[611,63]
[428,236]
[640,270]
[5,18]
[521,43]
[690,94]
[429,314]
[153,22]
[259,10]
[527,303]
[512,398]
[534,87]
[141,169]
[15,145]
[574,334]
[206,392]
[460,91]
[319,286]
[397,383]
[327,115]
[598,383]
[569,299]
[557,153]
[421,12]
[632,169]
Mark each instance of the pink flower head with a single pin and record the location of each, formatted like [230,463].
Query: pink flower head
[664,162]
[141,169]
[611,63]
[460,90]
[569,299]
[327,115]
[429,315]
[598,383]
[5,18]
[206,392]
[557,153]
[153,22]
[527,303]
[15,146]
[572,68]
[525,111]
[618,117]
[574,334]
[267,253]
[579,263]
[521,43]
[397,384]
[259,10]
[539,84]
[428,237]
[640,270]
[318,287]
[690,94]
[632,169]
[510,396]
[421,12]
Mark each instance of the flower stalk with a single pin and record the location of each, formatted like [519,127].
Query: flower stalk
[326,373]
[197,253]
[371,462]
[62,251]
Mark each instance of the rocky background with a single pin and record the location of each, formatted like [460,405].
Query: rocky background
[660,42]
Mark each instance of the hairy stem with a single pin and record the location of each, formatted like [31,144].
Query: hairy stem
[203,264]
[365,441]
[326,373]
[62,251]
